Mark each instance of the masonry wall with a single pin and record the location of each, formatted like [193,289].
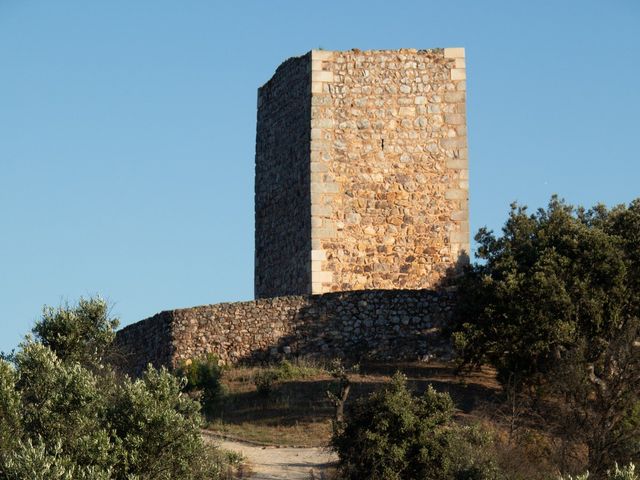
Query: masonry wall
[362,172]
[282,192]
[377,325]
[389,169]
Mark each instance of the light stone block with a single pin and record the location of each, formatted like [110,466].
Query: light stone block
[457,52]
[321,210]
[319,146]
[319,177]
[459,215]
[456,194]
[319,167]
[457,164]
[454,119]
[322,76]
[324,187]
[459,237]
[322,277]
[460,63]
[316,87]
[325,232]
[453,142]
[454,97]
[458,74]
[321,55]
[322,123]
[318,255]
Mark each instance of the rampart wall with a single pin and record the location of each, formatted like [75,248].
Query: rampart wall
[371,324]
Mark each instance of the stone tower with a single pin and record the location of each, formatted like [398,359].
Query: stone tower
[361,172]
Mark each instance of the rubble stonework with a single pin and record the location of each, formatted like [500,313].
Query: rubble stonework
[385,166]
[282,195]
[375,324]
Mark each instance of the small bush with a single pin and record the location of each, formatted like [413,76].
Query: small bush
[395,435]
[287,370]
[266,379]
[204,375]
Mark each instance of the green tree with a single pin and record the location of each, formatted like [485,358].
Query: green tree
[66,415]
[554,306]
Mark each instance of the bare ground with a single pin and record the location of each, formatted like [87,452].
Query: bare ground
[271,462]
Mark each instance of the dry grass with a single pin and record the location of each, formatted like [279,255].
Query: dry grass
[297,412]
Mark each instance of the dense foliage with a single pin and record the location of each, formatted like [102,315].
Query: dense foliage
[82,334]
[554,305]
[203,376]
[394,434]
[66,415]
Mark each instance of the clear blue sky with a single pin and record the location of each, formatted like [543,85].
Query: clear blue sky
[127,129]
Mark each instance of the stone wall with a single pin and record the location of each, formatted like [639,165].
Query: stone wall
[389,173]
[282,193]
[362,179]
[376,324]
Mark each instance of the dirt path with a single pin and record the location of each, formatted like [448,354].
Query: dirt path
[275,463]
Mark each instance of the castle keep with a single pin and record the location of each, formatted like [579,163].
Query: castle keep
[361,209]
[361,172]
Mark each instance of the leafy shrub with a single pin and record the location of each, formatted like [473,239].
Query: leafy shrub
[267,378]
[204,375]
[37,462]
[395,435]
[69,416]
[82,333]
[265,381]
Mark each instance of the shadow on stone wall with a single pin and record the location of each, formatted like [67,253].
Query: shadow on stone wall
[360,325]
[371,325]
[365,325]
